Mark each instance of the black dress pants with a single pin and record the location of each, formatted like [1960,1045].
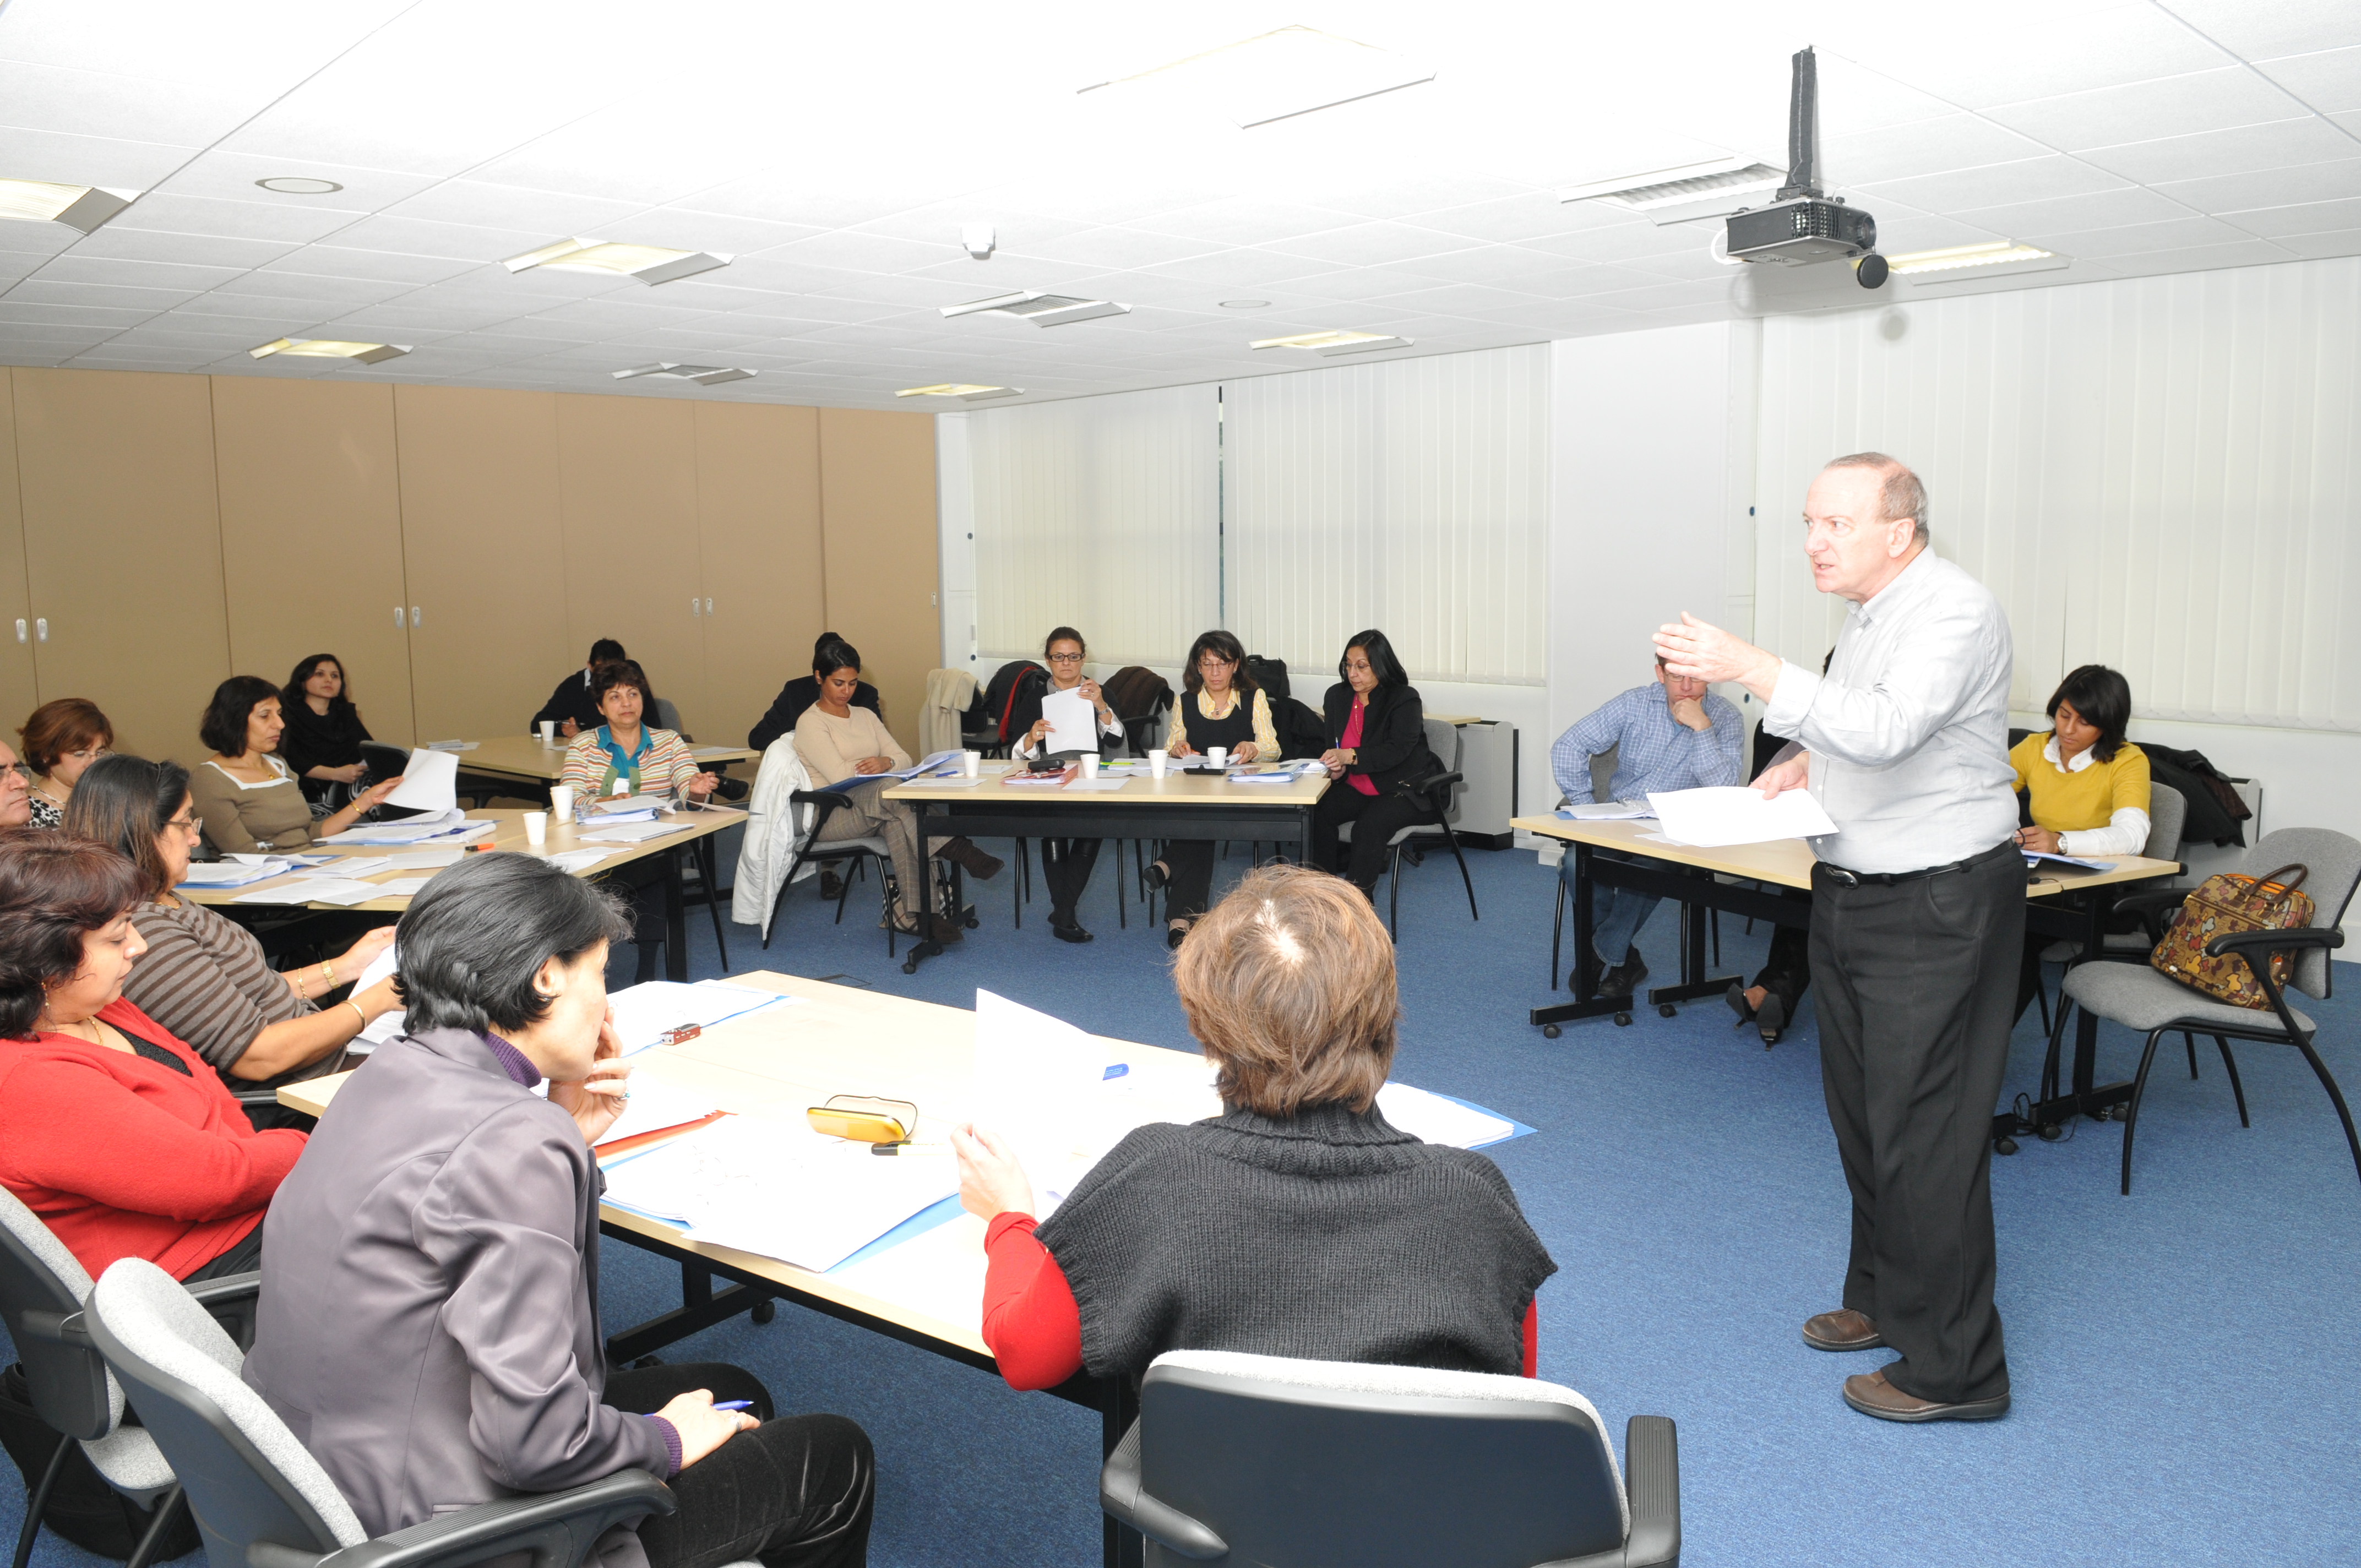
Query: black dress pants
[797,1492]
[1787,967]
[1917,979]
[1191,861]
[1066,866]
[1376,818]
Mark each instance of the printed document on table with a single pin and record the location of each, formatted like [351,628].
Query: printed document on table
[645,1010]
[655,1106]
[1073,723]
[428,783]
[1043,1087]
[1737,813]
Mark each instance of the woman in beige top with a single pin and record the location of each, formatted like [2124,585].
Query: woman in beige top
[839,741]
[247,798]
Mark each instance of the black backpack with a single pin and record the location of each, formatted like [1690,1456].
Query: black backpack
[1270,674]
[1302,734]
[1008,684]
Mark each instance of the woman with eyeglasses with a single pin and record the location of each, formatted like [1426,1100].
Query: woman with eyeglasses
[1066,864]
[322,742]
[1220,706]
[62,739]
[247,798]
[205,977]
[16,790]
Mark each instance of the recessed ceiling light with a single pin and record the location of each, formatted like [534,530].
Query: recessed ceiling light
[703,375]
[1959,257]
[966,392]
[1245,304]
[1040,309]
[1283,72]
[1704,189]
[1329,343]
[648,263]
[83,208]
[298,185]
[330,348]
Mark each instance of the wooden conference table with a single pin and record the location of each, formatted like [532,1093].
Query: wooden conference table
[694,828]
[1178,806]
[927,1292]
[2071,905]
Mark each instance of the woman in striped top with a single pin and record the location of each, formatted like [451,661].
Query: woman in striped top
[204,977]
[623,756]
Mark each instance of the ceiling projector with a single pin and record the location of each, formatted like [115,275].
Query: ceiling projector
[1805,224]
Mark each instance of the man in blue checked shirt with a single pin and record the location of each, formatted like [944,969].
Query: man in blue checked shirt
[1672,734]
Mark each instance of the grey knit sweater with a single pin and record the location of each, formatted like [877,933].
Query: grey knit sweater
[1326,1235]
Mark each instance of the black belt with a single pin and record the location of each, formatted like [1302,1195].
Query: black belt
[1887,879]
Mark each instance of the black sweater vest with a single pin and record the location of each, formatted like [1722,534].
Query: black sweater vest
[1328,1236]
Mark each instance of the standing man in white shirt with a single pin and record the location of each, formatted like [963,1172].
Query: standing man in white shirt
[1917,921]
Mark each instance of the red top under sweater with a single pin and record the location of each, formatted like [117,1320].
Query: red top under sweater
[126,1158]
[1033,1325]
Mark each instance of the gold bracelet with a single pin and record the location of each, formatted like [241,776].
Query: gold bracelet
[358,1014]
[328,972]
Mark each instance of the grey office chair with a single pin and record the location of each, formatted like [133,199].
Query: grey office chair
[1258,1459]
[2167,810]
[2155,1004]
[1438,796]
[42,1287]
[261,1501]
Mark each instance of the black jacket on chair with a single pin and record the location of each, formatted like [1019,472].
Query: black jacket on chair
[1393,734]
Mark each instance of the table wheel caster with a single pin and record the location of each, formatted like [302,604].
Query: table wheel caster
[762,1312]
[2050,1132]
[1551,1031]
[1665,1009]
[972,922]
[2004,1146]
[1622,1020]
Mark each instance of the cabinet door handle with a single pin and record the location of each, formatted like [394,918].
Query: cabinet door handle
[398,621]
[709,607]
[416,619]
[692,604]
[40,628]
[21,629]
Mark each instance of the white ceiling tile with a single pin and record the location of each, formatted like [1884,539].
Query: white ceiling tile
[1365,245]
[723,232]
[2337,242]
[88,316]
[2008,53]
[1928,146]
[86,160]
[53,333]
[465,242]
[2199,258]
[2306,218]
[854,251]
[302,291]
[100,104]
[2144,111]
[1504,266]
[1230,272]
[346,262]
[19,238]
[2101,209]
[202,250]
[967,279]
[1520,218]
[38,290]
[2284,145]
[1966,189]
[274,41]
[2260,31]
[1246,222]
[2329,81]
[479,204]
[165,213]
[2140,239]
[77,267]
[1462,298]
[2273,188]
[231,175]
[1114,247]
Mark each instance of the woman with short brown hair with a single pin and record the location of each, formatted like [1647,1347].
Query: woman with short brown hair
[1298,1222]
[62,739]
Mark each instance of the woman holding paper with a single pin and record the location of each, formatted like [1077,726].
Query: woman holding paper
[1066,864]
[448,1217]
[1377,738]
[1298,1223]
[205,977]
[837,741]
[1220,707]
[247,798]
[623,755]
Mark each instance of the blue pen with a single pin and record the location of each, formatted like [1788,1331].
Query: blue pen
[732,1404]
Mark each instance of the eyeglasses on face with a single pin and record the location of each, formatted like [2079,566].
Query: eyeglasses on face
[1065,658]
[1210,663]
[23,771]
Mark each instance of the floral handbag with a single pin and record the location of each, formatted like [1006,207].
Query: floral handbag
[2225,903]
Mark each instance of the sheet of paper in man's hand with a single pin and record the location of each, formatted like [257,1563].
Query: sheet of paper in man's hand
[1737,813]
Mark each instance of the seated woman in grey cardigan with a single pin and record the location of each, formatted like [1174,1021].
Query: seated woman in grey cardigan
[1298,1223]
[429,1322]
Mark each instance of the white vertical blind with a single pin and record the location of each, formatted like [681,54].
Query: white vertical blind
[2157,473]
[1100,513]
[1410,496]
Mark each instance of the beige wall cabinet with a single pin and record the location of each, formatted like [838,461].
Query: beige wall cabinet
[877,515]
[758,521]
[19,689]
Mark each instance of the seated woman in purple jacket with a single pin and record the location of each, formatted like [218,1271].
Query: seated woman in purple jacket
[429,1321]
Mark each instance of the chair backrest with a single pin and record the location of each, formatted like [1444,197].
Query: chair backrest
[384,761]
[70,1388]
[2167,810]
[249,1480]
[2333,866]
[1442,740]
[1294,1461]
[1602,772]
[668,717]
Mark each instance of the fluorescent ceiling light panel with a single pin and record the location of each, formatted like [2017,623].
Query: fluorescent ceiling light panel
[966,392]
[1954,259]
[330,348]
[1280,74]
[703,375]
[648,263]
[1334,343]
[1712,189]
[1040,309]
[83,208]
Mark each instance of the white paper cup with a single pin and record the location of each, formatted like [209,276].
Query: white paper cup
[1090,767]
[973,761]
[1156,762]
[536,827]
[549,732]
[1218,755]
[560,802]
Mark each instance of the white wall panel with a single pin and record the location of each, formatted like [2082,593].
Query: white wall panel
[2157,473]
[1101,513]
[1411,496]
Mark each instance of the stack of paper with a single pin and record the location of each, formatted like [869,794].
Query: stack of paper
[424,860]
[1094,786]
[575,861]
[314,890]
[1436,1119]
[643,1012]
[452,745]
[631,832]
[1609,811]
[235,873]
[1737,813]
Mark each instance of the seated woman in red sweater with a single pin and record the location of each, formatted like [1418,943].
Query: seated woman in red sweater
[120,1137]
[1298,1222]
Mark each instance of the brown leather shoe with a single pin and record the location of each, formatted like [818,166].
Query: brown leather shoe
[970,859]
[1843,1329]
[1871,1395]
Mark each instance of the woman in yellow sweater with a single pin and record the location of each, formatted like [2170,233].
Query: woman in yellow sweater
[2087,786]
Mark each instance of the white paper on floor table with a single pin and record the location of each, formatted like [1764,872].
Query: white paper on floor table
[644,1012]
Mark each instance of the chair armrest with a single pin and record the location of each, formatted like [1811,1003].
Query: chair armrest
[1121,1496]
[558,1527]
[58,1328]
[2155,906]
[1416,788]
[822,801]
[234,1288]
[2247,944]
[1652,1484]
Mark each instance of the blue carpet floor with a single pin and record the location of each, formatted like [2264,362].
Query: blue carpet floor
[2180,1397]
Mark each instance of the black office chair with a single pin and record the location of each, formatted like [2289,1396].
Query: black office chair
[1257,1459]
[1437,797]
[261,1501]
[42,1288]
[843,853]
[2155,1004]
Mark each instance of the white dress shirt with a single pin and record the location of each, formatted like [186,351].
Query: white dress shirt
[1908,730]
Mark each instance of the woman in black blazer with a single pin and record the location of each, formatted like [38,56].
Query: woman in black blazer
[1377,738]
